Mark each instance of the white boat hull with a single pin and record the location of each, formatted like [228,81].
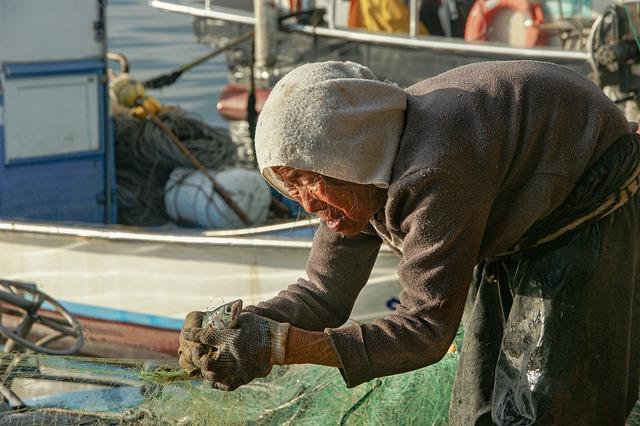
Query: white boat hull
[154,279]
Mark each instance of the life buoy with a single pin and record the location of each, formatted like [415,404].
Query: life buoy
[483,11]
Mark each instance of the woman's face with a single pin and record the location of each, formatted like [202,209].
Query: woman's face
[345,207]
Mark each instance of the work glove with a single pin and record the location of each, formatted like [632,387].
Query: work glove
[230,358]
[187,349]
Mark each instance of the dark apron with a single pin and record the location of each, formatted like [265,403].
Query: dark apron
[552,331]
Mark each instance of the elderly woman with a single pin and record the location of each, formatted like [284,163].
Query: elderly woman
[507,189]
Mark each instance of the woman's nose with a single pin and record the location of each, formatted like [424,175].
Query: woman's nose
[310,203]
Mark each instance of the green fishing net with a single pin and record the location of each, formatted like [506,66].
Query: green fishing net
[67,390]
[42,389]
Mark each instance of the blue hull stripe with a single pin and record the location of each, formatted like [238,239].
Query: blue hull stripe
[109,314]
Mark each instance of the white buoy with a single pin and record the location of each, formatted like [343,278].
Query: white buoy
[189,197]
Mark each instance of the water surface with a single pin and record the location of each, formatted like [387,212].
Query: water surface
[156,42]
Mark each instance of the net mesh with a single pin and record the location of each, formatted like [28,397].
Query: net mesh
[42,389]
[67,390]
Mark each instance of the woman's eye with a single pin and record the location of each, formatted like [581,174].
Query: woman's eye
[295,196]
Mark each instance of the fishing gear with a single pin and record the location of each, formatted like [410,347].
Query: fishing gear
[613,48]
[312,16]
[171,77]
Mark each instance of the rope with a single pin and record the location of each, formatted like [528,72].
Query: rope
[154,145]
[145,157]
[201,167]
[354,407]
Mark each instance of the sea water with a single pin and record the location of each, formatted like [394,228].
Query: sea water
[157,42]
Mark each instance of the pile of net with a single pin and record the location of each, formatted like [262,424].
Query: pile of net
[131,392]
[40,389]
[145,157]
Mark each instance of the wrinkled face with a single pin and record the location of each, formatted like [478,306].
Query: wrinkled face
[345,207]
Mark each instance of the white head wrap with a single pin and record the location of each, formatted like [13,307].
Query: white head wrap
[332,118]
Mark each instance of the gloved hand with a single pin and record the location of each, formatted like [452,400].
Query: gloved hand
[233,357]
[187,349]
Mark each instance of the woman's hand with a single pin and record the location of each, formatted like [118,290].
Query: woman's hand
[187,349]
[227,358]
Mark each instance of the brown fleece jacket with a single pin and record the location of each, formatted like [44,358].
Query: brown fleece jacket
[487,150]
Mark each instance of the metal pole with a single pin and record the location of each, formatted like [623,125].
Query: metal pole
[266,28]
[413,18]
[260,34]
[332,14]
[252,114]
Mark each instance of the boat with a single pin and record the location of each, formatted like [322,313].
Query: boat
[597,39]
[128,286]
[131,288]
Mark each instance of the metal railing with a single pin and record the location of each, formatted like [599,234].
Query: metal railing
[411,40]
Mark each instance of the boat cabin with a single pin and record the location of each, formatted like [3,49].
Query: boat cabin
[56,160]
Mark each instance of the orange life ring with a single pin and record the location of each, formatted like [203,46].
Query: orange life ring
[482,13]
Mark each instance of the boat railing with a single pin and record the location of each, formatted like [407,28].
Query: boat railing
[410,40]
[245,238]
[256,237]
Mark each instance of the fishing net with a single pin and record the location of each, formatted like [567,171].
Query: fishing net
[42,389]
[67,390]
[145,157]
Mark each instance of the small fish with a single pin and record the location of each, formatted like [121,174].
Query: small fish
[224,316]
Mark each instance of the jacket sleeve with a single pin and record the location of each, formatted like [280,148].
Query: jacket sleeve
[443,222]
[337,269]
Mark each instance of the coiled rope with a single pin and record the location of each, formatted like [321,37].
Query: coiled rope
[145,157]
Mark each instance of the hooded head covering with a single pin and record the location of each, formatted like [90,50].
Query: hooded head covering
[332,118]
